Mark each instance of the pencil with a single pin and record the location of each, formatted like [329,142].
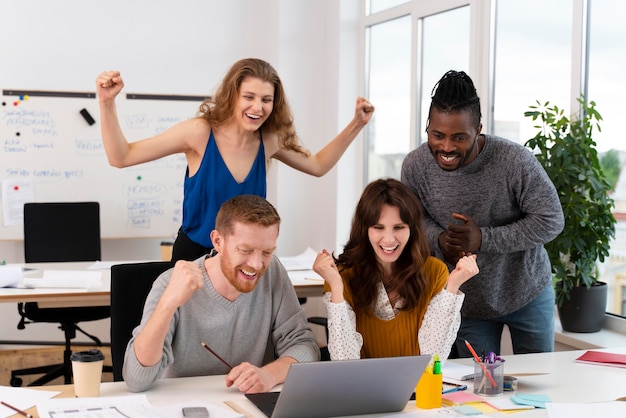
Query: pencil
[19,411]
[482,366]
[216,355]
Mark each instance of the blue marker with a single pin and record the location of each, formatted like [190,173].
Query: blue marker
[456,389]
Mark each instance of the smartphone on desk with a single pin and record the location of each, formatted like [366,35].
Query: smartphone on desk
[195,411]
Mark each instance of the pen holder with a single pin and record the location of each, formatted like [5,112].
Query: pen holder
[491,384]
[428,391]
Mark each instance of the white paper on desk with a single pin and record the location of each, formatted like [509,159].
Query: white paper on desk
[70,279]
[10,276]
[305,277]
[136,406]
[101,265]
[22,398]
[456,371]
[302,261]
[612,409]
[106,265]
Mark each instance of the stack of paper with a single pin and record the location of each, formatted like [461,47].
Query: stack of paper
[10,276]
[66,279]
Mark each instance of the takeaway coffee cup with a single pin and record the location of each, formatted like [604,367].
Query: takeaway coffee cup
[87,371]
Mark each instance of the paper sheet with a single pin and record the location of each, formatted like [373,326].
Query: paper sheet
[106,265]
[302,261]
[136,406]
[21,398]
[614,409]
[16,192]
[71,279]
[302,277]
[10,276]
[456,371]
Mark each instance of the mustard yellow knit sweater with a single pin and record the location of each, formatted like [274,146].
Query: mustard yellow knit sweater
[398,336]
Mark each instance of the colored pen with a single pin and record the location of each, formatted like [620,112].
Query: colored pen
[216,355]
[482,365]
[456,389]
[19,411]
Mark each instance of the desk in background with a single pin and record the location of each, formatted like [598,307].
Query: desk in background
[566,381]
[304,286]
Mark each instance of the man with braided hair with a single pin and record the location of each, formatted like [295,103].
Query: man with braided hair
[489,196]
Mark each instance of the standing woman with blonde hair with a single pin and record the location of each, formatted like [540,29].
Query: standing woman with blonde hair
[385,295]
[227,146]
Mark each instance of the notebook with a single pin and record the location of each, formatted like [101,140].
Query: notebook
[603,358]
[348,387]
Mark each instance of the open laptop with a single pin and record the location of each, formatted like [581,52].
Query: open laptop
[348,387]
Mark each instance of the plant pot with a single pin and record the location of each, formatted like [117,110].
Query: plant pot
[585,309]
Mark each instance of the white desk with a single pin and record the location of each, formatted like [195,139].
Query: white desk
[101,296]
[567,381]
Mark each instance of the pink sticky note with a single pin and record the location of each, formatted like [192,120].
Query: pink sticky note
[461,397]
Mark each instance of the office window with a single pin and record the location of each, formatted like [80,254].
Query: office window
[607,87]
[390,91]
[445,46]
[443,42]
[533,53]
[533,48]
[376,6]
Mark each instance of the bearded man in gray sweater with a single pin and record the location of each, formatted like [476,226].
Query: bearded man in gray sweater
[487,196]
[238,300]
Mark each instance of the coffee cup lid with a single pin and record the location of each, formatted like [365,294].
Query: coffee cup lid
[87,356]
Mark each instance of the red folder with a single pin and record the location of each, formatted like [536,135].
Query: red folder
[602,358]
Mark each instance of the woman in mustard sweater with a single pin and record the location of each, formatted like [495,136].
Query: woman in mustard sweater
[385,295]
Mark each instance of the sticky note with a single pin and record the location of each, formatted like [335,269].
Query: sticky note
[461,397]
[466,410]
[538,401]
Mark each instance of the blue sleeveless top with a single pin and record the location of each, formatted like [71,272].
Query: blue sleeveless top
[213,185]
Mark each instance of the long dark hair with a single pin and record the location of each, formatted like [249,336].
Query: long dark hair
[407,272]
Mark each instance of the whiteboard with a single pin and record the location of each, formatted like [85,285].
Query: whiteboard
[47,141]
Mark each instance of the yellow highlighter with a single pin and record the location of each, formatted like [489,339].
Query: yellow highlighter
[428,389]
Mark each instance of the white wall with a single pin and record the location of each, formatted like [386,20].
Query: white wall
[185,47]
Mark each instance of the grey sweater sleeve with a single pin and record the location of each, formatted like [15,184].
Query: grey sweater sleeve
[258,327]
[506,192]
[510,197]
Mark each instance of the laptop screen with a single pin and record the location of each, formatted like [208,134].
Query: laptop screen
[349,387]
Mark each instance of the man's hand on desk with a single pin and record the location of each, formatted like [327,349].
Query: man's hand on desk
[249,378]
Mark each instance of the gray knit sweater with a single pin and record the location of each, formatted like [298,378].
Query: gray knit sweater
[509,195]
[258,327]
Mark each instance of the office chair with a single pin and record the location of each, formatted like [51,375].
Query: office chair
[56,232]
[321,321]
[130,285]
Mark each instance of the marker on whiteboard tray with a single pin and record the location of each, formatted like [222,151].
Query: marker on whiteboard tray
[87,117]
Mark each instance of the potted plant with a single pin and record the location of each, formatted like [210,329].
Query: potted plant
[566,149]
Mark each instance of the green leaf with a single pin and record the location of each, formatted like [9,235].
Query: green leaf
[566,150]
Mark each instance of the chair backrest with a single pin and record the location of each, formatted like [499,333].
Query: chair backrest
[130,285]
[61,231]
